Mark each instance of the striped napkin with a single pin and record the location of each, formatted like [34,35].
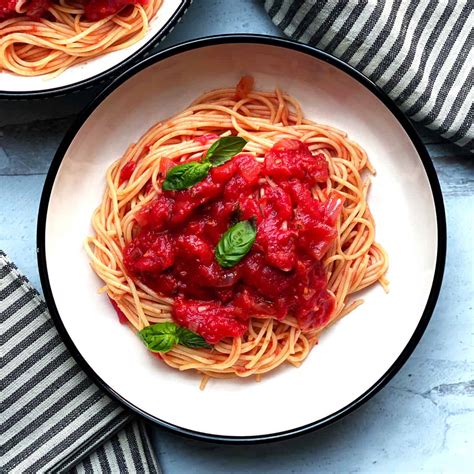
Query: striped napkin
[52,417]
[418,51]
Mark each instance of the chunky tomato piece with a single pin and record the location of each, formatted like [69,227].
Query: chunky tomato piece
[249,209]
[7,9]
[165,283]
[323,306]
[251,303]
[127,171]
[313,222]
[311,297]
[269,281]
[212,320]
[149,253]
[249,168]
[185,202]
[277,202]
[244,87]
[193,246]
[37,8]
[33,9]
[275,238]
[214,276]
[293,159]
[277,243]
[222,174]
[302,198]
[120,314]
[214,220]
[237,188]
[207,137]
[316,238]
[157,214]
[319,304]
[95,10]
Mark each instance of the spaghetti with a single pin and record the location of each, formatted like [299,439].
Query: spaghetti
[354,260]
[32,46]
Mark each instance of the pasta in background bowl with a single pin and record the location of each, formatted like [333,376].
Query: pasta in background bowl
[51,47]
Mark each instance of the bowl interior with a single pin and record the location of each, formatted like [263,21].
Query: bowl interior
[93,67]
[353,354]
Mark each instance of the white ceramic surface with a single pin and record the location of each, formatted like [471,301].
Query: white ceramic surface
[352,355]
[77,73]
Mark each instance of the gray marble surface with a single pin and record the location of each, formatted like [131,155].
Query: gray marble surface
[423,421]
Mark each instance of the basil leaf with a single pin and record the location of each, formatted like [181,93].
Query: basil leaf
[190,339]
[224,149]
[160,337]
[161,343]
[186,175]
[235,244]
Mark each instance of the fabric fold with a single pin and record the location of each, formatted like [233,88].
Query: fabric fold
[419,52]
[53,418]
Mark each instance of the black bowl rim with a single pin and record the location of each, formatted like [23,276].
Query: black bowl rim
[425,159]
[107,74]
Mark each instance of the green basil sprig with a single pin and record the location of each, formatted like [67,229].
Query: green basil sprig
[224,149]
[188,174]
[162,337]
[191,339]
[235,243]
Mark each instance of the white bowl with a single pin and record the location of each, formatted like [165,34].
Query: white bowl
[355,357]
[96,69]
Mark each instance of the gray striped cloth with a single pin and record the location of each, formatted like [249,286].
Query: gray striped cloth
[52,417]
[418,51]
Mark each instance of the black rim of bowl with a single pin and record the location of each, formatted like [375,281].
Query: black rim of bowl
[109,73]
[422,152]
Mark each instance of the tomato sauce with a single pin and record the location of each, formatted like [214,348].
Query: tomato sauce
[244,87]
[173,252]
[34,8]
[120,314]
[203,139]
[94,10]
[127,171]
